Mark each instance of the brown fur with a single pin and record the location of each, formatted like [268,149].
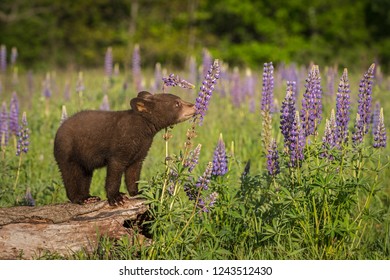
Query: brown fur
[119,140]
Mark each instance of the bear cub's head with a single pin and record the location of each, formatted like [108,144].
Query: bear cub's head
[162,109]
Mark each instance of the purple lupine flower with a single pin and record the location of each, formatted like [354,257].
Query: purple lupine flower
[206,90]
[14,55]
[249,83]
[380,132]
[172,179]
[206,203]
[375,116]
[190,191]
[14,114]
[108,62]
[136,67]
[220,162]
[204,180]
[311,112]
[357,136]
[365,98]
[192,159]
[4,131]
[273,159]
[23,137]
[3,58]
[267,98]
[342,109]
[267,104]
[173,81]
[105,106]
[288,113]
[297,142]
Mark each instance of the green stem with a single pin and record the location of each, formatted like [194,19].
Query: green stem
[188,221]
[166,166]
[18,171]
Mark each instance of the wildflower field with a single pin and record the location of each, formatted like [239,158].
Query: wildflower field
[279,162]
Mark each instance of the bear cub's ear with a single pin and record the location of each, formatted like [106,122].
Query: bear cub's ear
[143,102]
[144,95]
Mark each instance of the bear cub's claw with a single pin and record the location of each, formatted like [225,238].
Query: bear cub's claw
[91,199]
[119,200]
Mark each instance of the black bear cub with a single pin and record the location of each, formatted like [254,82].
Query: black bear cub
[119,140]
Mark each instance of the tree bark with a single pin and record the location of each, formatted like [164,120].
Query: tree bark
[28,232]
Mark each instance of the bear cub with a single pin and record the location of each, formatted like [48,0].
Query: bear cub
[119,140]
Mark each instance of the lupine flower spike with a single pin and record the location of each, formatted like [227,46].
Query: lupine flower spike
[329,141]
[14,115]
[287,114]
[267,97]
[173,81]
[364,108]
[23,137]
[4,131]
[220,161]
[206,203]
[137,79]
[375,116]
[204,180]
[206,90]
[3,58]
[297,142]
[192,159]
[380,138]
[202,184]
[108,63]
[365,97]
[273,159]
[342,109]
[311,112]
[267,104]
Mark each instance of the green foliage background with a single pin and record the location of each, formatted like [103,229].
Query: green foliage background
[63,33]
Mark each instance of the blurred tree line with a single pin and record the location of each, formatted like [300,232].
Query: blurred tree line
[67,32]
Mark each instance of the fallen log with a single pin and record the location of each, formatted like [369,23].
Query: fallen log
[28,232]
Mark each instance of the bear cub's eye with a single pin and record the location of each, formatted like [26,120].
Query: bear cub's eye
[177,104]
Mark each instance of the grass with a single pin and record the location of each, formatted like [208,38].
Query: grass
[324,209]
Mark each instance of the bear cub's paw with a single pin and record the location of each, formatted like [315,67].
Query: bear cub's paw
[91,199]
[117,200]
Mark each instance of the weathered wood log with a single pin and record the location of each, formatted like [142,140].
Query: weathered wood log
[28,232]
